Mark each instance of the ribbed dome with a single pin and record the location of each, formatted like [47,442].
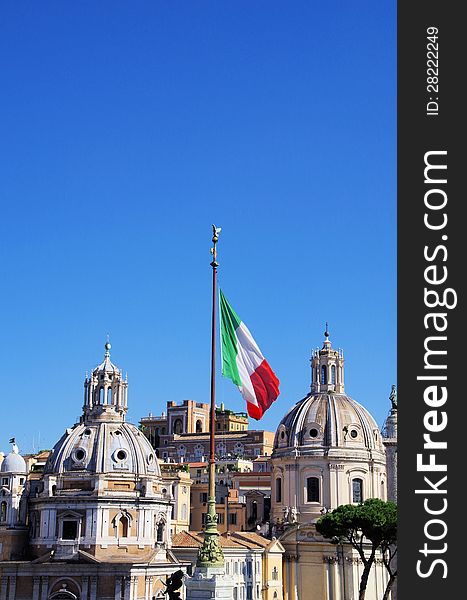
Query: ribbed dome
[13,463]
[104,447]
[327,420]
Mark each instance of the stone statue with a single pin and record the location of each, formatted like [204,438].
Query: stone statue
[285,510]
[293,514]
[393,397]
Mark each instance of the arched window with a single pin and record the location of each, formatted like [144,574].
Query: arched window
[312,489]
[160,531]
[278,489]
[109,396]
[101,395]
[178,426]
[333,374]
[3,511]
[123,526]
[357,490]
[199,426]
[324,375]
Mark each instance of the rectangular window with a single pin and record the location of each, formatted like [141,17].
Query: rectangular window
[220,517]
[203,497]
[357,490]
[312,489]
[249,592]
[203,518]
[233,518]
[278,489]
[4,480]
[248,568]
[69,530]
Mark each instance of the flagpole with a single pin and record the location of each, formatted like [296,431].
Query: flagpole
[210,554]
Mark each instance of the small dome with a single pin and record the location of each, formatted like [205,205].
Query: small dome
[106,365]
[104,447]
[326,421]
[13,463]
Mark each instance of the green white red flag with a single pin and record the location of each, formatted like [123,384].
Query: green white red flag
[243,363]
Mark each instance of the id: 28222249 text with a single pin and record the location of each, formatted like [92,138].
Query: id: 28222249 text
[432,77]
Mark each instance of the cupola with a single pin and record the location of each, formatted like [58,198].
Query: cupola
[105,392]
[327,368]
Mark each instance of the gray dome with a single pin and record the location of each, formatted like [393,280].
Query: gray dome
[103,447]
[13,463]
[328,420]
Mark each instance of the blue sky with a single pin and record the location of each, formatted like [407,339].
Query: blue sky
[126,130]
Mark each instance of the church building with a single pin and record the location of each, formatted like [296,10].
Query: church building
[96,525]
[328,451]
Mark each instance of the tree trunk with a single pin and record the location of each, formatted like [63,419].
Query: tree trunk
[388,589]
[366,574]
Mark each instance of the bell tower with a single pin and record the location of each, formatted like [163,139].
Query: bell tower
[105,392]
[327,368]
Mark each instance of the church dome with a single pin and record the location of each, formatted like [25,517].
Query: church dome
[102,442]
[13,463]
[328,420]
[103,447]
[328,449]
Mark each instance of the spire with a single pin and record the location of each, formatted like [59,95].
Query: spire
[327,341]
[107,347]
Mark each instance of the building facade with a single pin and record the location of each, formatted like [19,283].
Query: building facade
[253,561]
[182,434]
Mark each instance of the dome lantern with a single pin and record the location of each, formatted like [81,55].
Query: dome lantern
[327,368]
[105,392]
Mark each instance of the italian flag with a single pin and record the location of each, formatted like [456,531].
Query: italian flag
[243,363]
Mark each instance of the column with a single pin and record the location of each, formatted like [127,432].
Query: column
[118,588]
[45,587]
[84,588]
[12,591]
[126,594]
[35,587]
[4,585]
[93,594]
[89,524]
[134,588]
